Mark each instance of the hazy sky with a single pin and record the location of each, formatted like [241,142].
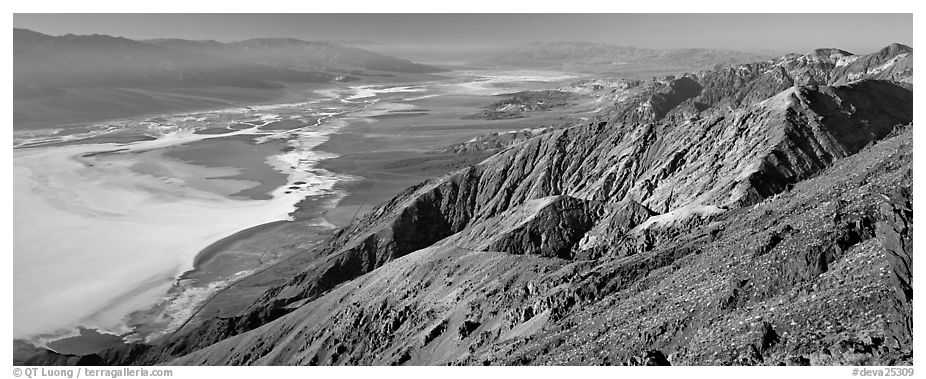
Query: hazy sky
[859,33]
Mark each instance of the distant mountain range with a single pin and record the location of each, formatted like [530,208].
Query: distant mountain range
[43,62]
[299,55]
[91,77]
[600,55]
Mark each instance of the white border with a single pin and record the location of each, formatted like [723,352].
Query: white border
[473,6]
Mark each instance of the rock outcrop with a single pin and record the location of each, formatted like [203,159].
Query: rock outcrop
[548,227]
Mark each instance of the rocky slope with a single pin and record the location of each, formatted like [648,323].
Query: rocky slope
[817,275]
[738,220]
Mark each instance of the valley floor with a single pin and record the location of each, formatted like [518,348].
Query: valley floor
[372,156]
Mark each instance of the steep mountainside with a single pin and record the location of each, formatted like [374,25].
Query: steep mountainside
[754,214]
[818,275]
